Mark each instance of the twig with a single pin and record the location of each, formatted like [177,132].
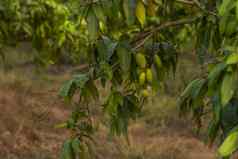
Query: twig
[197,4]
[185,2]
[147,35]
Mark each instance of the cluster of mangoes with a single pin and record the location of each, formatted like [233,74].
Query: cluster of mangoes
[146,76]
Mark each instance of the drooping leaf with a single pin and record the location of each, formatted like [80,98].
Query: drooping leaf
[76,145]
[215,74]
[124,55]
[93,25]
[67,151]
[213,130]
[129,11]
[228,87]
[188,90]
[80,80]
[229,116]
[226,6]
[98,10]
[237,10]
[67,89]
[151,10]
[230,144]
[141,12]
[232,59]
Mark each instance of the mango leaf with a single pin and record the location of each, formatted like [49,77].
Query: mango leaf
[228,87]
[189,89]
[229,116]
[213,130]
[237,10]
[231,26]
[141,12]
[225,7]
[198,88]
[129,11]
[67,151]
[67,89]
[232,59]
[93,25]
[61,125]
[124,55]
[106,48]
[223,24]
[151,10]
[80,80]
[215,74]
[76,145]
[98,10]
[230,145]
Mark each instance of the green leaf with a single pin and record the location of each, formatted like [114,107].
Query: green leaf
[198,88]
[67,89]
[213,130]
[124,55]
[232,59]
[98,10]
[92,89]
[229,116]
[76,145]
[188,91]
[106,48]
[228,87]
[62,125]
[129,11]
[215,74]
[230,145]
[80,80]
[67,151]
[231,26]
[93,25]
[226,6]
[141,12]
[237,10]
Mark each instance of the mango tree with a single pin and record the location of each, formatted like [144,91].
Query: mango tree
[130,48]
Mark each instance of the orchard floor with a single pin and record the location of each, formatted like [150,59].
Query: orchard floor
[29,109]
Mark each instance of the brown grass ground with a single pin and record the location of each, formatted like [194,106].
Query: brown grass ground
[29,109]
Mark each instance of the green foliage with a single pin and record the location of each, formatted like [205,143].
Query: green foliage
[230,144]
[131,47]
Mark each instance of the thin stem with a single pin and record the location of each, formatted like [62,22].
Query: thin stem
[148,34]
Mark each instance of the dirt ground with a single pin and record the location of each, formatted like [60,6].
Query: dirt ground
[28,114]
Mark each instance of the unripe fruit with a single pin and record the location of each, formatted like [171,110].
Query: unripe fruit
[140,60]
[157,61]
[149,75]
[145,93]
[142,78]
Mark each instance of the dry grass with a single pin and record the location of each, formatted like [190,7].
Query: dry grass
[30,108]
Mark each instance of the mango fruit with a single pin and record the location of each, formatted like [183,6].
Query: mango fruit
[145,93]
[149,75]
[142,78]
[141,60]
[158,61]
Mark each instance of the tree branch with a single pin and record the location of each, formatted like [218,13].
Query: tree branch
[143,37]
[197,4]
[185,2]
